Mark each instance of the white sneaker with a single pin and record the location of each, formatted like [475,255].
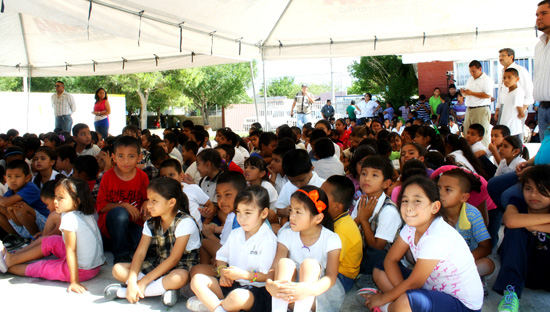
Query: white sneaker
[170,298]
[110,291]
[3,265]
[195,305]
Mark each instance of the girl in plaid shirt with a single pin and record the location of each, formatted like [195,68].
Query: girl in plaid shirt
[172,238]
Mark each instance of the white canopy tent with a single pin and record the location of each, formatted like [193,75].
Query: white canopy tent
[104,37]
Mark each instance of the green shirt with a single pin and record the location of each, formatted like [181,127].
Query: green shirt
[351,112]
[434,103]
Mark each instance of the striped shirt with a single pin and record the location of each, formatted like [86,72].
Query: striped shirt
[477,231]
[541,81]
[63,105]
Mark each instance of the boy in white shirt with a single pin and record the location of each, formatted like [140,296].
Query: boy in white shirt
[513,110]
[189,154]
[326,165]
[275,168]
[474,135]
[377,214]
[299,171]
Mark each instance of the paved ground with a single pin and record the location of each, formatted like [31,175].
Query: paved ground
[30,294]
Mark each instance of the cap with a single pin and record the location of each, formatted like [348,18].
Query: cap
[452,85]
[304,85]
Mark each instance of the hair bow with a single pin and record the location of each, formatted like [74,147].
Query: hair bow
[436,129]
[314,196]
[61,138]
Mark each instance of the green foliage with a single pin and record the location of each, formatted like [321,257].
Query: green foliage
[384,75]
[285,86]
[215,85]
[11,84]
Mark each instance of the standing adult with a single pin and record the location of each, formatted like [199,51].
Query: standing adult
[541,81]
[478,92]
[102,110]
[350,110]
[327,111]
[304,99]
[506,58]
[63,107]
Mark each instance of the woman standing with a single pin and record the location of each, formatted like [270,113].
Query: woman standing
[102,109]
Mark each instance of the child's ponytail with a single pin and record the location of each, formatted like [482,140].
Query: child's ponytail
[516,143]
[316,202]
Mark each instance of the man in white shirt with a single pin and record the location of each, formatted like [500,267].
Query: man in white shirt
[63,107]
[478,92]
[506,58]
[541,81]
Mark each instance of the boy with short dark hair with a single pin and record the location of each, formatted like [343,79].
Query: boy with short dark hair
[171,140]
[267,142]
[121,199]
[513,110]
[377,214]
[326,164]
[498,133]
[86,169]
[189,154]
[474,135]
[340,190]
[275,168]
[66,156]
[299,171]
[21,210]
[254,141]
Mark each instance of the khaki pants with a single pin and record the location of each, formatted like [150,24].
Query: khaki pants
[482,116]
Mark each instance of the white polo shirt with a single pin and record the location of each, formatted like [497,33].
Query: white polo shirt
[483,84]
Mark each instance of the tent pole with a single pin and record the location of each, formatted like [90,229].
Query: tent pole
[28,96]
[332,88]
[254,92]
[265,92]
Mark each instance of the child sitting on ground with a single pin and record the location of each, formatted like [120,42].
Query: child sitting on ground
[228,186]
[85,169]
[242,263]
[83,141]
[189,154]
[512,153]
[79,250]
[227,152]
[474,135]
[525,248]
[308,252]
[276,174]
[299,171]
[267,142]
[168,249]
[121,199]
[444,277]
[326,164]
[44,161]
[377,214]
[498,133]
[66,156]
[339,190]
[21,210]
[198,200]
[455,186]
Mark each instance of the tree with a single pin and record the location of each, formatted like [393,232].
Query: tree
[11,84]
[281,86]
[215,85]
[384,75]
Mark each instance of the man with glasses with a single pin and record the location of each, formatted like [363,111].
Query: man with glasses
[63,107]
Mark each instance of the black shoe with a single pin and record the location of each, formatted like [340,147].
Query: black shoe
[12,242]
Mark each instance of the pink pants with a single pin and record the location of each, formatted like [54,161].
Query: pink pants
[56,270]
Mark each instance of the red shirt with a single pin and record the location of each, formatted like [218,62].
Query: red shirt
[345,138]
[234,167]
[114,190]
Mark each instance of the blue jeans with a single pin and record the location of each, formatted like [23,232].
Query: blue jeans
[544,121]
[501,188]
[64,123]
[301,119]
[347,282]
[125,234]
[102,127]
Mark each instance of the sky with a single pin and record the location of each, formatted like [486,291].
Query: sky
[308,71]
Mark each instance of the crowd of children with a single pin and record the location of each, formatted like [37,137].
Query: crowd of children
[279,220]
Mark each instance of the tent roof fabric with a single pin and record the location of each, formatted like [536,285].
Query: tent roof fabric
[52,37]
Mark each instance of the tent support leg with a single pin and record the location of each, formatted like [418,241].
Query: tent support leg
[254,92]
[265,92]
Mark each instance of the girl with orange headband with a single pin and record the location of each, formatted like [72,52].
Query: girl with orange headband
[308,253]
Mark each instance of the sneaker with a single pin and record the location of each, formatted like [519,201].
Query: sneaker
[12,242]
[3,265]
[510,301]
[170,298]
[195,305]
[361,300]
[110,291]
